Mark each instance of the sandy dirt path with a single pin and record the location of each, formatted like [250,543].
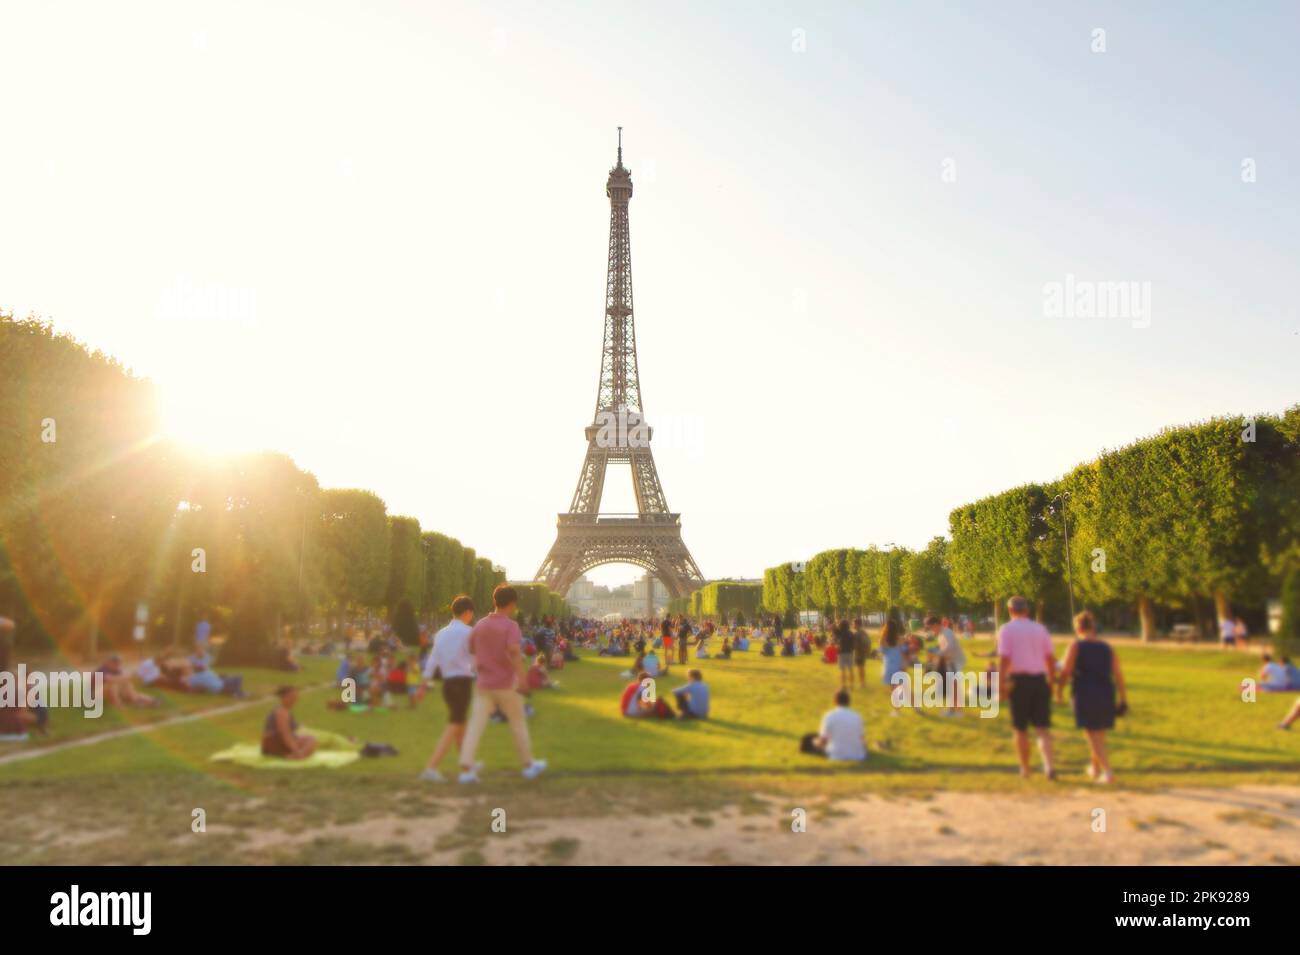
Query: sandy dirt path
[1241,826]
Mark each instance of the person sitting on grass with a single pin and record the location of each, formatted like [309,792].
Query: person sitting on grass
[787,647]
[280,731]
[639,699]
[378,682]
[203,679]
[173,672]
[742,642]
[842,735]
[652,665]
[831,654]
[769,646]
[360,674]
[118,688]
[693,698]
[1273,676]
[1292,674]
[725,652]
[284,659]
[399,684]
[15,720]
[537,677]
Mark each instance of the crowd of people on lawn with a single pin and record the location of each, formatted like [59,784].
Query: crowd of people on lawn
[487,668]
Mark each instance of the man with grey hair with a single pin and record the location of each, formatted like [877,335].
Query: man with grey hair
[1028,668]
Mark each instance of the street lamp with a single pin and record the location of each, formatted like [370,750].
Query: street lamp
[1069,575]
[889,569]
[424,574]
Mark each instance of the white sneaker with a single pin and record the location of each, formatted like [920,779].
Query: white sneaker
[433,776]
[535,769]
[469,776]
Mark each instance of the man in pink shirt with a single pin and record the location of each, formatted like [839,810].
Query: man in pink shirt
[1027,668]
[495,645]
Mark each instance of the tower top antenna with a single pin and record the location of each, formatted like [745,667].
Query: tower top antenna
[620,145]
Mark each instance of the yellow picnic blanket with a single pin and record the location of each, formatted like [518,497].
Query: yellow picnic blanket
[332,751]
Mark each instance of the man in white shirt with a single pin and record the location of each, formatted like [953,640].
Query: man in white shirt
[842,736]
[450,661]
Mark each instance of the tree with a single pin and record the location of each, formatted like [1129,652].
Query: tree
[406,563]
[404,623]
[354,548]
[925,579]
[1287,641]
[260,520]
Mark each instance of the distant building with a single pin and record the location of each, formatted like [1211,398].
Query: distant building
[629,600]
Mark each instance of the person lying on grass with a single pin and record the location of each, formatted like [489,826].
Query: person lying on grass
[280,732]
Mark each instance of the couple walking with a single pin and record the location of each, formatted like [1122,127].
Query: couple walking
[482,672]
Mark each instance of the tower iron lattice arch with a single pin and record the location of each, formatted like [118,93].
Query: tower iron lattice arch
[652,537]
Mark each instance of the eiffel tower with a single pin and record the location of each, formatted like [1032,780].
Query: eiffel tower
[652,537]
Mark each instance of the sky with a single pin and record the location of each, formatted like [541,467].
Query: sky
[373,236]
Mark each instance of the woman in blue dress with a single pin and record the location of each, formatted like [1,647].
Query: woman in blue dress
[891,657]
[1092,669]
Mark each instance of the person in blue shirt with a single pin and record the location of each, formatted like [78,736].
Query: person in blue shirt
[693,698]
[891,658]
[1292,674]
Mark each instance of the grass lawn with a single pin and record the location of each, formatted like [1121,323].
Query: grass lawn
[130,799]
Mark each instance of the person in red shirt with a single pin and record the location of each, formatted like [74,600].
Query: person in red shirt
[501,683]
[537,678]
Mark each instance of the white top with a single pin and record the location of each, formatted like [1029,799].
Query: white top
[843,729]
[951,649]
[1227,628]
[450,652]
